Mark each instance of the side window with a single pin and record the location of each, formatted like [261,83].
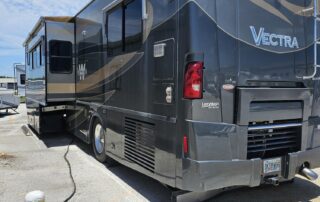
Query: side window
[60,56]
[31,59]
[34,58]
[124,28]
[28,58]
[38,50]
[133,26]
[43,53]
[115,43]
[22,79]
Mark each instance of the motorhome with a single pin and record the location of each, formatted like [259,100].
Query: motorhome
[197,94]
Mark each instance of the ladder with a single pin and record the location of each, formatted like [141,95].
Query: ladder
[316,42]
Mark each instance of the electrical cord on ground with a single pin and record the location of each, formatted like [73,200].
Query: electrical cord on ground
[70,173]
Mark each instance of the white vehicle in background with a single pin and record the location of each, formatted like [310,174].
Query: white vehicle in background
[8,100]
[20,79]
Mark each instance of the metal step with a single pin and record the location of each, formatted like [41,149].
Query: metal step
[185,196]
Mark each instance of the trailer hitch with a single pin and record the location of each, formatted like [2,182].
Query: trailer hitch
[272,180]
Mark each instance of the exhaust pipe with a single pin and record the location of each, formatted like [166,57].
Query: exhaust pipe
[308,173]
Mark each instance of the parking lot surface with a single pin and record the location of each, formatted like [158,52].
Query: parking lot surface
[29,163]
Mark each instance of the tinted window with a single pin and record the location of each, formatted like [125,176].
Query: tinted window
[124,28]
[60,48]
[43,54]
[133,25]
[34,58]
[115,31]
[38,50]
[28,58]
[60,56]
[31,59]
[22,79]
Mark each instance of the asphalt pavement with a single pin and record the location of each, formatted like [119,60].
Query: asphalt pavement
[29,163]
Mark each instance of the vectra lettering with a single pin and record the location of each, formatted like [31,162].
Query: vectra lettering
[271,39]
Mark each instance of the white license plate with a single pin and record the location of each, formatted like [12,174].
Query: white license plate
[272,165]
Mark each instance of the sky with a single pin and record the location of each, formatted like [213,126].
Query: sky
[18,17]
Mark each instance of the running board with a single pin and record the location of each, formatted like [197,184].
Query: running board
[274,126]
[185,196]
[57,108]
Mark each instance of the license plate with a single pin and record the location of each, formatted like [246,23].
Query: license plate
[272,165]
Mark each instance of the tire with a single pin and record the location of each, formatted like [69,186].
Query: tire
[98,138]
[98,141]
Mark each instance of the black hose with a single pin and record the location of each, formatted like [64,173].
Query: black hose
[70,173]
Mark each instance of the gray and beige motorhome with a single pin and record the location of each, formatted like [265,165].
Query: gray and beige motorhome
[197,94]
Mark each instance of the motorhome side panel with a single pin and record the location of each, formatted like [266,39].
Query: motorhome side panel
[198,94]
[125,83]
[60,61]
[35,76]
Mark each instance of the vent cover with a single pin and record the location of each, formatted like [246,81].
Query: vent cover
[140,143]
[267,140]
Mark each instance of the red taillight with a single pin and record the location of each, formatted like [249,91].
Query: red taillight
[185,145]
[193,81]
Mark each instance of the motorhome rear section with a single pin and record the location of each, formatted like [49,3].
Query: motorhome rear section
[50,72]
[199,95]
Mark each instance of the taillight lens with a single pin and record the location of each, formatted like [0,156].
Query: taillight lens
[193,81]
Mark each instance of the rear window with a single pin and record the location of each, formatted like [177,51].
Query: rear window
[60,56]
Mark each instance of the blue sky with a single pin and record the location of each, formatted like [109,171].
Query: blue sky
[18,18]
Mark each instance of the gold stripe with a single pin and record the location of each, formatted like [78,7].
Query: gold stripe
[106,71]
[268,7]
[61,88]
[298,10]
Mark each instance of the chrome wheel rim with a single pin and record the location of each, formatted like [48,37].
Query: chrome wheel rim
[99,138]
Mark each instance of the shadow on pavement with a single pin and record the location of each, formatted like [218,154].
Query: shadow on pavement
[146,186]
[3,113]
[300,190]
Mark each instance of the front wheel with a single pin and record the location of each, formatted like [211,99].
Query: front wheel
[98,141]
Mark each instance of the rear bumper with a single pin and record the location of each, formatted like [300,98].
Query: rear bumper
[202,176]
